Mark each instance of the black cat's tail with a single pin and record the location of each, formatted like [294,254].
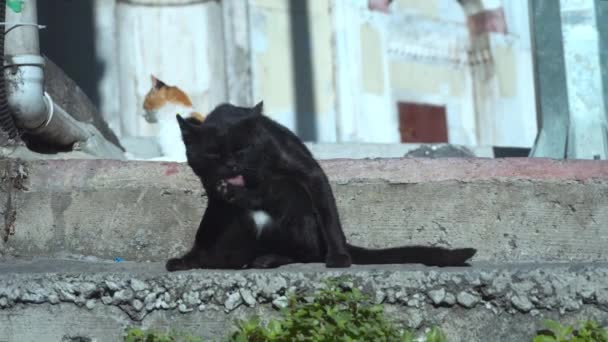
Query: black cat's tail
[430,256]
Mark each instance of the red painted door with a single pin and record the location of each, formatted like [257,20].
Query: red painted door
[421,123]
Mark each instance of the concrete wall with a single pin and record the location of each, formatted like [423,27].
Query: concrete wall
[41,299]
[511,210]
[539,227]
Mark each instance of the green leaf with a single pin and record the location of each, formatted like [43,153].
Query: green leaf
[554,326]
[544,338]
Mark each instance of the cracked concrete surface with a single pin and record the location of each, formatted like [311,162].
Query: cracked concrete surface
[487,298]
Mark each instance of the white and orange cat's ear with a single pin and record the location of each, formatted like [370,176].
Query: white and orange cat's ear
[156,83]
[258,109]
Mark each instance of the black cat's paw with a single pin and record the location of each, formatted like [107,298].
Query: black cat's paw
[177,264]
[264,261]
[338,260]
[225,190]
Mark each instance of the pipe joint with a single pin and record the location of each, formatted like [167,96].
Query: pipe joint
[24,75]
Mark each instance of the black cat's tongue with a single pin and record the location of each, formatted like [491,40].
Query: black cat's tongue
[236,180]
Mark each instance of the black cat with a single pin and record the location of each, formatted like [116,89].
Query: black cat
[270,203]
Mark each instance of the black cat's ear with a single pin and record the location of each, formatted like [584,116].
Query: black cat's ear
[156,83]
[258,109]
[188,129]
[183,124]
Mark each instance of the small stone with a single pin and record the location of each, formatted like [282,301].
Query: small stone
[390,296]
[122,296]
[449,299]
[310,299]
[80,300]
[160,304]
[90,304]
[138,285]
[379,297]
[150,301]
[414,319]
[87,289]
[112,285]
[401,296]
[280,302]
[3,302]
[414,303]
[247,296]
[14,294]
[192,298]
[233,301]
[467,300]
[138,305]
[206,295]
[602,296]
[571,304]
[202,307]
[273,286]
[521,303]
[150,298]
[66,296]
[437,296]
[53,299]
[183,308]
[107,300]
[36,298]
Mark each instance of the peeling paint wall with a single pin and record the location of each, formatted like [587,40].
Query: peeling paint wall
[423,49]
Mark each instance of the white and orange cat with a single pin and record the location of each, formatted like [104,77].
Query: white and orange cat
[161,104]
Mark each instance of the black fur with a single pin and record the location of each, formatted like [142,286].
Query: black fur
[282,178]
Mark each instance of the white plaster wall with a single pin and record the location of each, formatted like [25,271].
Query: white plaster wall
[272,63]
[105,49]
[514,109]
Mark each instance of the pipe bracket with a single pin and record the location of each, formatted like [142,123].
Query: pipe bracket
[15,25]
[21,60]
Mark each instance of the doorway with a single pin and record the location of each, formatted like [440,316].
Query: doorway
[422,123]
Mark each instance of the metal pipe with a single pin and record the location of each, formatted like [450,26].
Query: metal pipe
[7,122]
[34,110]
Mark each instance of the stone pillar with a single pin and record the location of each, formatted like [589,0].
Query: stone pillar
[571,78]
[237,46]
[483,19]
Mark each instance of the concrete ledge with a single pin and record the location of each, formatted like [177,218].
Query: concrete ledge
[515,210]
[44,297]
[379,150]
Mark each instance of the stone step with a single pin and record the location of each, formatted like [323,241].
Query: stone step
[41,299]
[511,210]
